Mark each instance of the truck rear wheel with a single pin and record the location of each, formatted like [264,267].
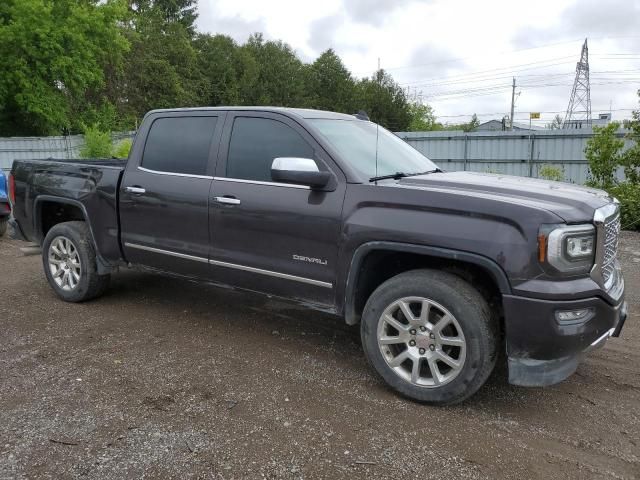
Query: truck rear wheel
[3,226]
[430,336]
[69,260]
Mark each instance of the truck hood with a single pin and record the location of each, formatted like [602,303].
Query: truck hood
[570,202]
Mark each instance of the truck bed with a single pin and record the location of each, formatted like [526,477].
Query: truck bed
[89,185]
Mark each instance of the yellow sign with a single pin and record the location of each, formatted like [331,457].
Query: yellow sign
[534,115]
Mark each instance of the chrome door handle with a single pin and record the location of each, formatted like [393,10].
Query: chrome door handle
[227,200]
[135,190]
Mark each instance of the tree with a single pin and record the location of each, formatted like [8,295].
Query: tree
[229,71]
[603,151]
[631,158]
[52,54]
[472,125]
[384,101]
[183,12]
[556,123]
[162,66]
[423,118]
[329,85]
[279,77]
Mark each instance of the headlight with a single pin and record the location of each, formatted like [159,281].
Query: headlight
[570,248]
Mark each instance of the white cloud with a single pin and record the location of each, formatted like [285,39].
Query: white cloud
[438,46]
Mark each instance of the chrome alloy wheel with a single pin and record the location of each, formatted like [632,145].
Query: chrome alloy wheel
[421,341]
[64,263]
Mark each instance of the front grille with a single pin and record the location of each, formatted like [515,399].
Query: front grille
[611,234]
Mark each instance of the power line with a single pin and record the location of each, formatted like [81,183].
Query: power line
[604,110]
[507,69]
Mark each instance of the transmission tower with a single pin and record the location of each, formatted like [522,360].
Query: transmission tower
[579,109]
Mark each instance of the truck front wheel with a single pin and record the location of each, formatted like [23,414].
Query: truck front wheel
[69,260]
[430,336]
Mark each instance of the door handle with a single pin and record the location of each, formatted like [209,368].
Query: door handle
[227,200]
[135,190]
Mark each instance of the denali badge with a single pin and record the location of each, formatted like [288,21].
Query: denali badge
[302,258]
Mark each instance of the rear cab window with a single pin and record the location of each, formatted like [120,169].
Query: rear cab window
[179,145]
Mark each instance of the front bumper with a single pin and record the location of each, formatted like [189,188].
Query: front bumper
[543,351]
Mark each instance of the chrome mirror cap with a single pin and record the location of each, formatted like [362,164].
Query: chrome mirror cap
[295,164]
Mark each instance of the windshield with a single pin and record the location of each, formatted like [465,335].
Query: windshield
[355,140]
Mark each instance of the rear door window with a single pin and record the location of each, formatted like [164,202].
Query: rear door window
[179,145]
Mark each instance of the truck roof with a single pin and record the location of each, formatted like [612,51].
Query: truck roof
[299,112]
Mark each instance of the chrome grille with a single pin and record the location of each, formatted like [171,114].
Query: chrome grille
[611,234]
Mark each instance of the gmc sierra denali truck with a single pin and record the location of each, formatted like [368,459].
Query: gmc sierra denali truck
[443,270]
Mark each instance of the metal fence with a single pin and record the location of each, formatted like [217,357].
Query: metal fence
[514,153]
[19,148]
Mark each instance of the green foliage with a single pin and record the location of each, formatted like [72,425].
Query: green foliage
[69,63]
[556,123]
[97,143]
[628,194]
[279,74]
[603,151]
[122,149]
[472,125]
[549,172]
[423,118]
[329,84]
[53,56]
[631,158]
[384,101]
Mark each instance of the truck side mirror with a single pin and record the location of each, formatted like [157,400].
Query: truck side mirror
[301,171]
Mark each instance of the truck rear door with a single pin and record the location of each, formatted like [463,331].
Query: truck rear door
[164,195]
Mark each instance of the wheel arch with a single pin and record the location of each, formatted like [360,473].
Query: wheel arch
[375,262]
[73,210]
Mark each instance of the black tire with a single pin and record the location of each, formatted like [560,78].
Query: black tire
[473,315]
[90,284]
[3,226]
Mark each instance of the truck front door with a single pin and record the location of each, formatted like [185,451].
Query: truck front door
[268,236]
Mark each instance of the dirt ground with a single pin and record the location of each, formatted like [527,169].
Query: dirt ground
[163,378]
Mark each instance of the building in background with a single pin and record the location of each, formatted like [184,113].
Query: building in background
[602,120]
[502,125]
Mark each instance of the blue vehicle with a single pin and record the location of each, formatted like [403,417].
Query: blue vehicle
[5,206]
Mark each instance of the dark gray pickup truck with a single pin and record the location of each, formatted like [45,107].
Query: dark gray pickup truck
[443,270]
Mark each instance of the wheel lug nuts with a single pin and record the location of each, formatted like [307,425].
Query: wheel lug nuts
[431,335]
[412,343]
[432,347]
[423,329]
[422,350]
[412,331]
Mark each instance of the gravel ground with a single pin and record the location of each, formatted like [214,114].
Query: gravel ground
[163,378]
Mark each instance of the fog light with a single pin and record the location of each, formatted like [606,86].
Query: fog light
[567,317]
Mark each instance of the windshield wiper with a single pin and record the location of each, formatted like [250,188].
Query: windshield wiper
[395,176]
[399,175]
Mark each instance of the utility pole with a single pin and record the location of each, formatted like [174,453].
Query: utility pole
[513,100]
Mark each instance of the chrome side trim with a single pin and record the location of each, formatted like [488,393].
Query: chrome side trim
[256,182]
[286,276]
[218,263]
[166,252]
[171,174]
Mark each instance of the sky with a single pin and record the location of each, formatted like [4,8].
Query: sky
[459,56]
